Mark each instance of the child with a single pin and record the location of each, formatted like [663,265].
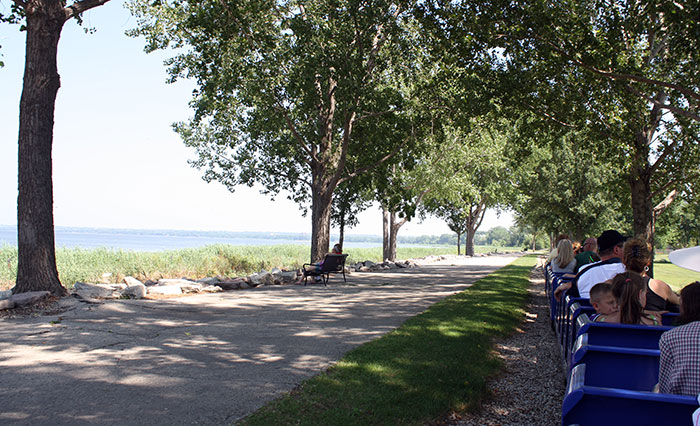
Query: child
[602,300]
[630,291]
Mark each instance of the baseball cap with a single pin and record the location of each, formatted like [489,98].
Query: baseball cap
[609,239]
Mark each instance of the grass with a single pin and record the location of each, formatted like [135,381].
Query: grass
[107,265]
[675,276]
[436,362]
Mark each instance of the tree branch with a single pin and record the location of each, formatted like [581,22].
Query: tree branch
[659,208]
[293,129]
[549,116]
[21,3]
[373,114]
[372,166]
[663,105]
[79,7]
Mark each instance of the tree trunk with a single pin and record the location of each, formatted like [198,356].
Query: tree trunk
[469,243]
[320,222]
[36,269]
[459,236]
[393,233]
[386,245]
[341,232]
[640,180]
[474,220]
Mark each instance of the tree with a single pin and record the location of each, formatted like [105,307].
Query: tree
[469,176]
[349,200]
[283,85]
[564,186]
[43,21]
[620,71]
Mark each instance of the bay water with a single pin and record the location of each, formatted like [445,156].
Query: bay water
[157,240]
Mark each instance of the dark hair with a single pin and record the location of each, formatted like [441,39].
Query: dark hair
[626,287]
[636,255]
[690,303]
[598,290]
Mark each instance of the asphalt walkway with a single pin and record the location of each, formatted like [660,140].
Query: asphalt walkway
[205,359]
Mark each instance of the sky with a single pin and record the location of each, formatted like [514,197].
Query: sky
[117,163]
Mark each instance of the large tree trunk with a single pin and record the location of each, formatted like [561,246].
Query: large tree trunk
[640,180]
[469,242]
[320,222]
[386,243]
[36,268]
[474,220]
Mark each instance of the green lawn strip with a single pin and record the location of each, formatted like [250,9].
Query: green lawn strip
[675,276]
[435,362]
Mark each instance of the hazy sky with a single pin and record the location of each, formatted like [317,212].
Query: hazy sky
[116,161]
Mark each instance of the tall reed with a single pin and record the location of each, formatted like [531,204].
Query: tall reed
[108,265]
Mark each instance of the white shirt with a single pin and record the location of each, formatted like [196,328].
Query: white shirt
[592,276]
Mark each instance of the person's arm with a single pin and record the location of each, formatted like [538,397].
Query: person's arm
[664,290]
[562,288]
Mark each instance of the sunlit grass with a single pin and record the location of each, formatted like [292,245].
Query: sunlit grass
[434,363]
[108,265]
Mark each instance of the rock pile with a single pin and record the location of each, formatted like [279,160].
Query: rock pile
[10,301]
[369,266]
[135,289]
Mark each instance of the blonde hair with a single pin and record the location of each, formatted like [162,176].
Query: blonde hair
[565,253]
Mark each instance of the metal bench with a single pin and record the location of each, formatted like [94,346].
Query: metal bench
[332,263]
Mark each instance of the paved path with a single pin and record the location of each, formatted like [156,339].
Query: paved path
[205,359]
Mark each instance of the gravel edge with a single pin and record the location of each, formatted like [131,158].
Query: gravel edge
[531,387]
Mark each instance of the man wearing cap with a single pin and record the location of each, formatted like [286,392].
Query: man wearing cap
[610,245]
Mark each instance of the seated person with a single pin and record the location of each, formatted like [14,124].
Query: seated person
[588,254]
[610,244]
[637,257]
[564,260]
[553,253]
[679,368]
[602,300]
[631,294]
[316,267]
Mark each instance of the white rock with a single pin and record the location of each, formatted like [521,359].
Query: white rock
[191,287]
[174,281]
[212,289]
[28,298]
[167,290]
[135,291]
[287,277]
[95,291]
[132,281]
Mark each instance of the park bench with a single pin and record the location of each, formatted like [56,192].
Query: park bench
[332,263]
[587,404]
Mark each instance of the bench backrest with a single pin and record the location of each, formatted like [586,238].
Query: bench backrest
[590,405]
[333,263]
[616,367]
[625,335]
